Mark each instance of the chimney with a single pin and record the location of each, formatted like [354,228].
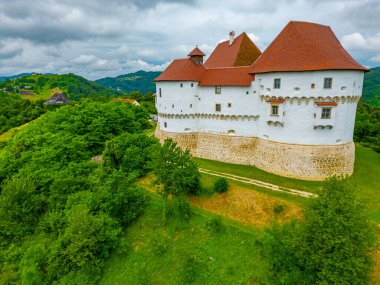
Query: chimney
[232,37]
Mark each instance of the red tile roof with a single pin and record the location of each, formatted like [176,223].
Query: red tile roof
[278,100]
[303,46]
[182,70]
[300,46]
[233,76]
[196,52]
[242,52]
[326,104]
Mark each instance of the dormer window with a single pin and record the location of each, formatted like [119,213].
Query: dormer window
[327,83]
[218,89]
[277,83]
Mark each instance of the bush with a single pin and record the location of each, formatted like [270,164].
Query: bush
[214,224]
[221,185]
[278,209]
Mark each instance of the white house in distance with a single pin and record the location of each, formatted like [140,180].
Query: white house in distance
[289,110]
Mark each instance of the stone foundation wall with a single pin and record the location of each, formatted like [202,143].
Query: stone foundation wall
[308,162]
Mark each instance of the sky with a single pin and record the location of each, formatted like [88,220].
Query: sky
[100,38]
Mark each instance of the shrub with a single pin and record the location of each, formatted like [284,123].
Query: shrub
[221,185]
[214,224]
[278,209]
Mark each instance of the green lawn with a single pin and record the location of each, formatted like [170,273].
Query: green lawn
[178,252]
[366,177]
[255,173]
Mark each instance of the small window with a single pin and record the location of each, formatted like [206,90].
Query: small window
[181,85]
[192,84]
[159,92]
[191,105]
[274,110]
[231,132]
[218,107]
[312,85]
[326,113]
[247,92]
[229,105]
[277,83]
[218,89]
[173,106]
[165,125]
[327,83]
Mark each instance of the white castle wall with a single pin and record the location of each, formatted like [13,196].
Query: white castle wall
[249,113]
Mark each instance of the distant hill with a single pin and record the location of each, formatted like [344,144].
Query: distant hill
[43,86]
[3,78]
[138,81]
[371,87]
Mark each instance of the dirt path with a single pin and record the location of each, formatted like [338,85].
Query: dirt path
[258,183]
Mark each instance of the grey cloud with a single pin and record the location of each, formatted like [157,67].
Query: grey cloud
[97,38]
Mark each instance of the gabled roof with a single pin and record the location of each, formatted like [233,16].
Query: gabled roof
[242,52]
[196,52]
[233,76]
[182,70]
[303,46]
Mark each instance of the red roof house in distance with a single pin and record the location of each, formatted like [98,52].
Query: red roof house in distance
[289,110]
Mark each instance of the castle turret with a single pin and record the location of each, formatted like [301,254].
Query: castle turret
[196,55]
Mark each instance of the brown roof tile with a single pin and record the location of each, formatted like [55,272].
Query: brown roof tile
[242,52]
[233,76]
[303,46]
[182,70]
[195,52]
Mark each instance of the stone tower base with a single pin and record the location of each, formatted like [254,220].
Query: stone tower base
[308,162]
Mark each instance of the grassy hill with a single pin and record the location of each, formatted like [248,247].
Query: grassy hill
[138,81]
[42,86]
[371,87]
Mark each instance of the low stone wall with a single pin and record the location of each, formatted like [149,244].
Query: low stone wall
[308,162]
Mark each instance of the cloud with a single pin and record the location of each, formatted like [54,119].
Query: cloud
[98,38]
[358,44]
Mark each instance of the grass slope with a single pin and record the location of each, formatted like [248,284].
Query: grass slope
[366,177]
[42,86]
[177,252]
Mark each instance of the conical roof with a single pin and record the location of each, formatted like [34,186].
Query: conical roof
[196,52]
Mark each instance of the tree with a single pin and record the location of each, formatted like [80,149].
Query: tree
[338,238]
[221,185]
[176,173]
[332,245]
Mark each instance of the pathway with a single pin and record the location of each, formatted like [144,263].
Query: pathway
[258,183]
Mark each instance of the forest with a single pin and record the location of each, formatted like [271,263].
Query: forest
[62,214]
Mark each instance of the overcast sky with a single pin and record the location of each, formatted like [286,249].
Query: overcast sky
[99,38]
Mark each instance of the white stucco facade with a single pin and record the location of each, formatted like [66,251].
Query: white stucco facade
[184,106]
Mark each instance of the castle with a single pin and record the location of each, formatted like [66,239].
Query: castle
[289,110]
